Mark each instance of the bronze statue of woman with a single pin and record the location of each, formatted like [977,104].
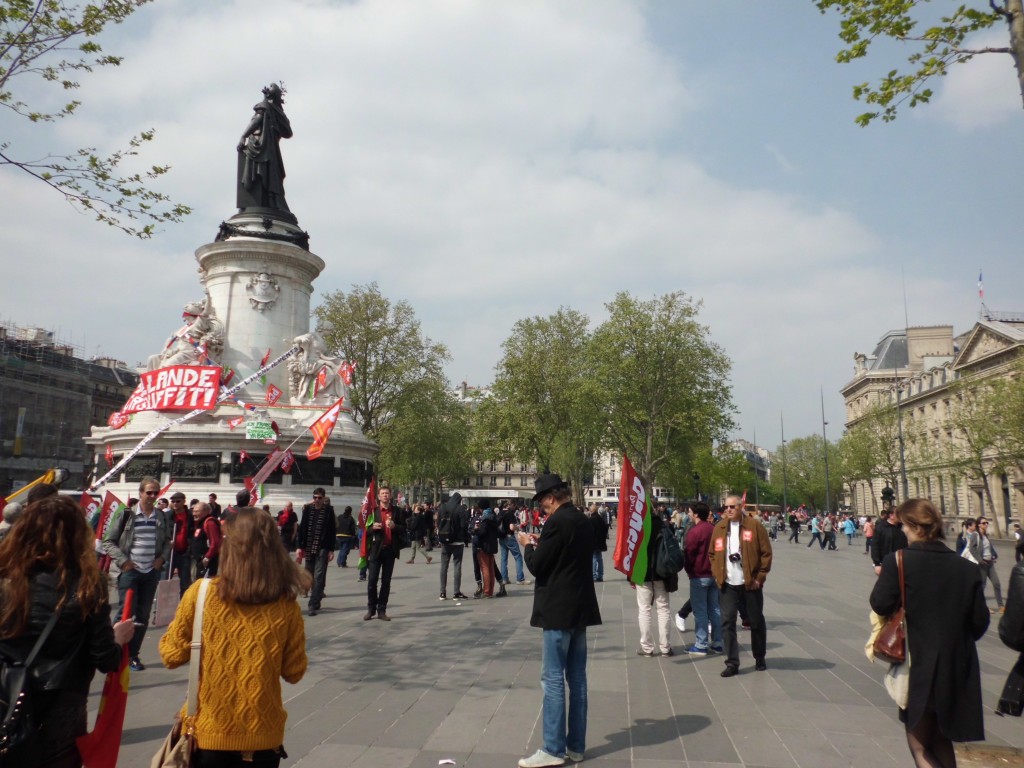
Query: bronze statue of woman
[260,166]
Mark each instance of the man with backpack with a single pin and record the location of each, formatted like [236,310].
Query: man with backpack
[452,534]
[662,577]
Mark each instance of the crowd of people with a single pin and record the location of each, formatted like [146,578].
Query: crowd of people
[258,564]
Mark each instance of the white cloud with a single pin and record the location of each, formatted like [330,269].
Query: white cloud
[982,93]
[485,161]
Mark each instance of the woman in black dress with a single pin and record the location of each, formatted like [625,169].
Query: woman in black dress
[945,615]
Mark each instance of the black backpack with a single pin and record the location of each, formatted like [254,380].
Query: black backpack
[669,558]
[444,523]
[19,731]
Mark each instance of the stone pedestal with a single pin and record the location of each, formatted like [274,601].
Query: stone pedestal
[258,276]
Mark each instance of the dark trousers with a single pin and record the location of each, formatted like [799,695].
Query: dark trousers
[182,563]
[317,566]
[451,552]
[144,586]
[379,570]
[476,566]
[816,535]
[731,600]
[794,535]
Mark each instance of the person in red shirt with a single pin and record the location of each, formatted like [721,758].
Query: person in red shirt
[383,548]
[184,526]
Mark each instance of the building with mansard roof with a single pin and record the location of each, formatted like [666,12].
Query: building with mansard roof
[912,371]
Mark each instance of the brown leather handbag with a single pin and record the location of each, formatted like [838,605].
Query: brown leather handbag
[891,643]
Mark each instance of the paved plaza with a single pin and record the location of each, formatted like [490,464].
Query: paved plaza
[454,681]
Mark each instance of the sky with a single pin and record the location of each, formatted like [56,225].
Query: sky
[490,161]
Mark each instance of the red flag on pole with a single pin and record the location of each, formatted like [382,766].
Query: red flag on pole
[634,531]
[99,748]
[321,381]
[321,429]
[367,513]
[110,456]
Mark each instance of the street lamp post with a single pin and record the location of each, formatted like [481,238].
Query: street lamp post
[696,486]
[825,448]
[899,423]
[782,431]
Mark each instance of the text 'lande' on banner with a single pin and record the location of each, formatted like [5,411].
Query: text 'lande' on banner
[176,388]
[634,530]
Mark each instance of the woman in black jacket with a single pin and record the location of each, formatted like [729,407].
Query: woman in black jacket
[945,616]
[47,564]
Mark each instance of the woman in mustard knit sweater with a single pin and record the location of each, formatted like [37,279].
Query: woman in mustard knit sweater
[253,636]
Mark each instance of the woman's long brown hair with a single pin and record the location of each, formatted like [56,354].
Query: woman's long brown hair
[255,568]
[50,535]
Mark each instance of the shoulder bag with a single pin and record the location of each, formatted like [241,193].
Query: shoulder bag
[176,751]
[891,643]
[19,732]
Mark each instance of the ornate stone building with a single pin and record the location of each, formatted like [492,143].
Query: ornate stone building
[912,371]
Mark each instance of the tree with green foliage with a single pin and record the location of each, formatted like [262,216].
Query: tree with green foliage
[664,388]
[805,472]
[55,41]
[977,420]
[936,42]
[392,356]
[545,404]
[426,444]
[870,448]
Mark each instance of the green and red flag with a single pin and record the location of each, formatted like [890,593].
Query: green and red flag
[100,747]
[367,517]
[634,525]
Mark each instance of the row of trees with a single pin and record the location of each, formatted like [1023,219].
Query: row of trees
[980,436]
[647,382]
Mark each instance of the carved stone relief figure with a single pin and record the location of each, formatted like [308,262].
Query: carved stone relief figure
[310,362]
[263,291]
[199,342]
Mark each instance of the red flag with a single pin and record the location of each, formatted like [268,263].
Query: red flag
[110,456]
[235,422]
[266,359]
[100,747]
[321,429]
[634,529]
[273,394]
[287,461]
[3,503]
[321,381]
[254,490]
[227,374]
[117,420]
[243,456]
[347,371]
[366,513]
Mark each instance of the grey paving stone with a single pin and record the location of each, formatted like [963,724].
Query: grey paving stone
[463,682]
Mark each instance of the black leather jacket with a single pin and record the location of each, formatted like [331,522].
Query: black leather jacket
[75,648]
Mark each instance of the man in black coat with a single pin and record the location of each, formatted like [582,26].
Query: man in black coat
[600,541]
[564,605]
[888,537]
[453,535]
[316,541]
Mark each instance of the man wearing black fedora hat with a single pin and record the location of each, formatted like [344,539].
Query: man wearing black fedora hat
[564,605]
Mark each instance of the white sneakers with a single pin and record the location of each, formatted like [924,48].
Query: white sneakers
[541,759]
[680,623]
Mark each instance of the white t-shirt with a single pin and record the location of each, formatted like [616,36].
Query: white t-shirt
[733,571]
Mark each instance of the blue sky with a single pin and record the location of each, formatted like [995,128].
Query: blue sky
[488,161]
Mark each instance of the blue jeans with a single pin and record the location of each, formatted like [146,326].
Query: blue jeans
[144,587]
[344,547]
[704,594]
[564,662]
[598,566]
[506,546]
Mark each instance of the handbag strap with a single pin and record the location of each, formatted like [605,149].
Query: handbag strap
[903,589]
[42,637]
[197,651]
